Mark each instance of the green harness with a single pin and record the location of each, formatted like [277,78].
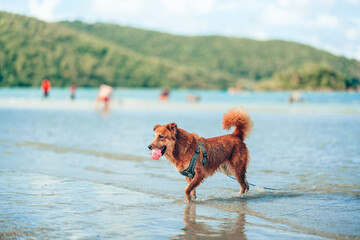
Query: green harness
[190,171]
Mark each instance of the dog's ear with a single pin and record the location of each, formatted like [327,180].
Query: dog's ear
[156,126]
[172,127]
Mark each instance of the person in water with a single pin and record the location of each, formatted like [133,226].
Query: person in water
[295,97]
[165,94]
[45,87]
[72,91]
[104,95]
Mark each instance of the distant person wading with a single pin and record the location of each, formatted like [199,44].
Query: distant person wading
[45,87]
[164,94]
[104,95]
[72,91]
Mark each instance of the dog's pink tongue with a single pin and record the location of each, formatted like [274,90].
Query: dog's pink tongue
[155,153]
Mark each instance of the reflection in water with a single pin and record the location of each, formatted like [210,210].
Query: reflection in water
[103,113]
[227,229]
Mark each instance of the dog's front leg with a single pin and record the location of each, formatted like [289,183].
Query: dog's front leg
[193,192]
[194,183]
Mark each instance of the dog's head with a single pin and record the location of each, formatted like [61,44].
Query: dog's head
[165,138]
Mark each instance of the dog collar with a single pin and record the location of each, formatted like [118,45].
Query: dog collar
[190,171]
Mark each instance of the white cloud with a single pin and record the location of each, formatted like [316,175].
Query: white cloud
[285,13]
[299,14]
[175,6]
[118,9]
[281,16]
[229,6]
[327,21]
[284,3]
[203,7]
[353,2]
[352,34]
[259,34]
[293,4]
[43,9]
[189,7]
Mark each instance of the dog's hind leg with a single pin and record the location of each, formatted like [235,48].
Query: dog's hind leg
[238,165]
[241,178]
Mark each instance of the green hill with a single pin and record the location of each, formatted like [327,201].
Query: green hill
[32,50]
[241,57]
[90,54]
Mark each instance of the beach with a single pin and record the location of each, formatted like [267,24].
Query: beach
[69,172]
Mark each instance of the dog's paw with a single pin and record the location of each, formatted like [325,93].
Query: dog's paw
[244,190]
[188,201]
[193,195]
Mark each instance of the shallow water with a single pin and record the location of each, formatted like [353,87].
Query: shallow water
[75,173]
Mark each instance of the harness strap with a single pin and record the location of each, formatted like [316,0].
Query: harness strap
[190,171]
[204,154]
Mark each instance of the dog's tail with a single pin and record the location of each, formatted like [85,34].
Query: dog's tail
[239,119]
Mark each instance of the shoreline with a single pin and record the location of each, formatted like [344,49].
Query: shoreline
[229,90]
[132,104]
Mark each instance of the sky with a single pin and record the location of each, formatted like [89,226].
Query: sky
[331,25]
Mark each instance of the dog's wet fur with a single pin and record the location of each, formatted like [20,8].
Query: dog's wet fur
[227,153]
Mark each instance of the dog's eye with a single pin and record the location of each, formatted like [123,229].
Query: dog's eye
[161,136]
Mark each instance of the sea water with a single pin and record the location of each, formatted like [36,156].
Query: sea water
[68,171]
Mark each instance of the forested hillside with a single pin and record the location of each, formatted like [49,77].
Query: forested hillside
[238,56]
[32,50]
[90,54]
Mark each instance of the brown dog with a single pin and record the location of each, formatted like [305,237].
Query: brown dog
[227,153]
